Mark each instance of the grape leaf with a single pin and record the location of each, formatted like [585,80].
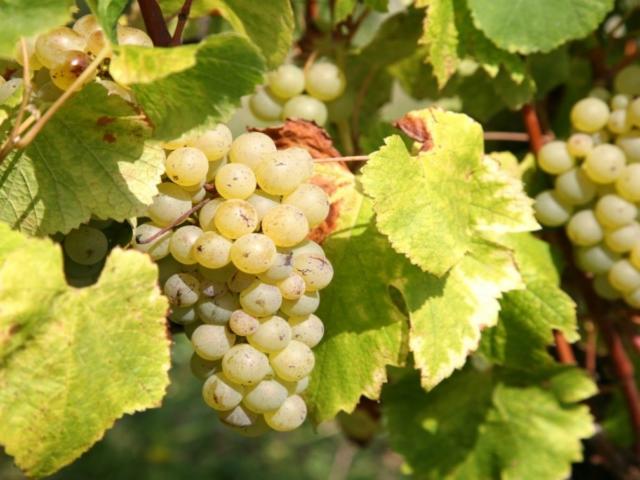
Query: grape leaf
[527,27]
[90,159]
[74,361]
[491,424]
[184,87]
[108,12]
[434,206]
[343,8]
[20,18]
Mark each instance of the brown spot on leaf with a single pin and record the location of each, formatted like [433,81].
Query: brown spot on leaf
[105,120]
[302,133]
[326,228]
[415,128]
[109,137]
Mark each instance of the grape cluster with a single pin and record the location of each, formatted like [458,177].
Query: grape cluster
[241,275]
[284,95]
[597,187]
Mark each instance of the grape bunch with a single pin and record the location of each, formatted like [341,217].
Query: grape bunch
[291,92]
[597,187]
[241,276]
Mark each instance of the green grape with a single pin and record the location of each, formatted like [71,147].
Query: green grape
[243,324]
[182,243]
[292,287]
[212,250]
[156,249]
[207,214]
[253,253]
[86,25]
[280,269]
[235,218]
[263,202]
[282,173]
[627,80]
[294,362]
[203,369]
[211,342]
[622,239]
[286,82]
[245,365]
[589,115]
[251,149]
[71,65]
[618,122]
[630,145]
[286,225]
[291,414]
[182,289]
[183,315]
[214,143]
[235,180]
[86,245]
[574,187]
[624,276]
[266,396]
[308,329]
[312,200]
[50,46]
[583,229]
[596,259]
[240,281]
[305,305]
[186,166]
[613,211]
[554,158]
[324,81]
[169,204]
[551,210]
[316,270]
[628,183]
[220,393]
[633,298]
[604,289]
[605,163]
[579,145]
[306,108]
[239,418]
[218,310]
[264,105]
[620,101]
[133,36]
[260,299]
[273,334]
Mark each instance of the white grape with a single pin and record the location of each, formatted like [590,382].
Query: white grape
[628,183]
[86,245]
[605,163]
[583,229]
[633,298]
[589,114]
[235,218]
[245,365]
[183,315]
[34,63]
[207,213]
[263,202]
[613,211]
[292,287]
[305,305]
[551,210]
[623,239]
[220,393]
[630,145]
[579,145]
[51,46]
[260,299]
[294,362]
[251,149]
[600,137]
[596,259]
[634,256]
[273,334]
[96,42]
[575,187]
[633,112]
[182,243]
[306,108]
[620,101]
[307,246]
[600,93]
[266,396]
[218,310]
[253,253]
[286,225]
[69,67]
[627,80]
[282,173]
[214,143]
[264,105]
[280,269]
[240,281]
[324,81]
[316,270]
[156,249]
[186,166]
[211,342]
[182,289]
[243,324]
[169,204]
[618,122]
[133,36]
[312,200]
[604,289]
[214,166]
[286,82]
[291,414]
[554,158]
[212,250]
[296,387]
[203,369]
[308,329]
[239,418]
[235,180]
[212,289]
[624,276]
[86,25]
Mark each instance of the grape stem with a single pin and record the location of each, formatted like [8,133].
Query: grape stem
[154,23]
[183,16]
[175,223]
[353,158]
[511,136]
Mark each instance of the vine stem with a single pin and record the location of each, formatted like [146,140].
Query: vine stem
[511,136]
[175,223]
[154,23]
[183,16]
[352,158]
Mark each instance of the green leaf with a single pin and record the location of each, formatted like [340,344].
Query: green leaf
[90,159]
[441,38]
[20,18]
[108,13]
[343,8]
[514,94]
[549,70]
[185,87]
[74,361]
[482,425]
[527,27]
[433,207]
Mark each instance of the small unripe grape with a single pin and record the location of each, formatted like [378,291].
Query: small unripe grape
[214,143]
[624,276]
[307,329]
[614,211]
[182,289]
[235,180]
[71,65]
[235,218]
[182,242]
[186,166]
[240,281]
[551,210]
[554,158]
[264,105]
[251,149]
[579,145]
[253,253]
[633,298]
[261,299]
[218,310]
[618,122]
[589,114]
[207,213]
[622,239]
[291,414]
[273,334]
[50,46]
[316,270]
[266,396]
[133,36]
[312,200]
[324,81]
[212,250]
[605,163]
[294,362]
[306,108]
[245,365]
[86,25]
[292,287]
[243,324]
[156,249]
[286,225]
[604,289]
[263,202]
[211,342]
[596,259]
[280,269]
[282,173]
[170,203]
[220,393]
[628,183]
[627,80]
[305,305]
[86,245]
[203,369]
[630,145]
[286,82]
